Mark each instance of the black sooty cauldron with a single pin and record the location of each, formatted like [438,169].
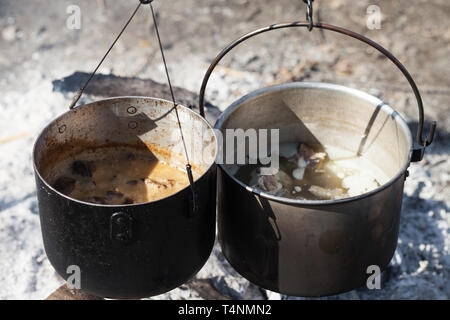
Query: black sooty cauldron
[137,250]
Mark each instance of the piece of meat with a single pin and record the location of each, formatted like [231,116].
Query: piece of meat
[317,160]
[82,168]
[98,200]
[285,179]
[305,151]
[128,201]
[269,184]
[326,194]
[308,158]
[114,194]
[65,185]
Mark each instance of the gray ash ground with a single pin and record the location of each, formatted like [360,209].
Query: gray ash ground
[37,48]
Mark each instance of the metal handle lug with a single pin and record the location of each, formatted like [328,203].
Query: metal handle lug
[121,227]
[417,154]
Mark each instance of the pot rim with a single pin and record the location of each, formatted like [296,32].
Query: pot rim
[318,85]
[108,99]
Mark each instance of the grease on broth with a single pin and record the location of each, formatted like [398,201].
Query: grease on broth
[117,175]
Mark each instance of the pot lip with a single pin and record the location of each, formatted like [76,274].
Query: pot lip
[318,85]
[38,174]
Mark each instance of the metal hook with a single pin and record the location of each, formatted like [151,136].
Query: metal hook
[309,13]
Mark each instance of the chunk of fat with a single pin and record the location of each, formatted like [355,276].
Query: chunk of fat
[335,153]
[269,184]
[346,163]
[359,184]
[298,173]
[326,193]
[301,163]
[362,167]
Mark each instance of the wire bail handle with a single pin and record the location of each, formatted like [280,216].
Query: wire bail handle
[417,153]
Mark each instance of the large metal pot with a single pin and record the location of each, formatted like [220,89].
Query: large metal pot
[315,248]
[129,251]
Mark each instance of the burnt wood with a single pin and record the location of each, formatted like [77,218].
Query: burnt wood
[64,293]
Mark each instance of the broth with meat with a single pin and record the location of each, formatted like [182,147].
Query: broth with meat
[115,176]
[308,173]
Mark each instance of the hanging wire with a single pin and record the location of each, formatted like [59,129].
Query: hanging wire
[80,91]
[169,82]
[188,165]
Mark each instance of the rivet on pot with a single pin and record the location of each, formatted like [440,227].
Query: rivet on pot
[121,220]
[132,110]
[132,125]
[120,237]
[62,128]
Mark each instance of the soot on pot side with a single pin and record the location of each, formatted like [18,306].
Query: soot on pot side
[306,173]
[116,175]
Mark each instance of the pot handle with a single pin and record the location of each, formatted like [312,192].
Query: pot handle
[417,154]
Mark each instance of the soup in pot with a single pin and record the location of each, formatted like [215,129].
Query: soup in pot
[314,173]
[117,175]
